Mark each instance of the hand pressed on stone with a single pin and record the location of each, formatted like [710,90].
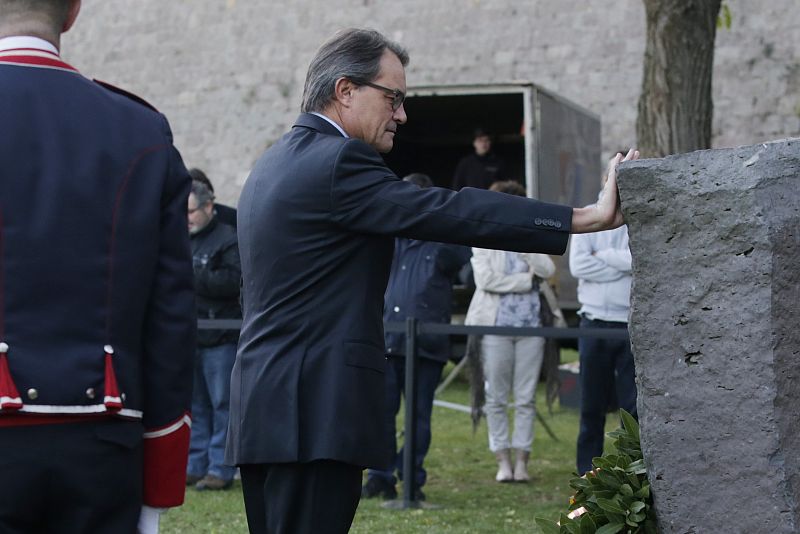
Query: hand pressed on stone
[606,213]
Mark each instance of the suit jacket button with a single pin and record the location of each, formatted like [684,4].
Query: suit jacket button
[537,221]
[558,224]
[33,394]
[396,309]
[90,393]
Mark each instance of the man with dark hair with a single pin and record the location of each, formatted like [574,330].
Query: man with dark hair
[481,168]
[317,221]
[224,214]
[217,272]
[97,322]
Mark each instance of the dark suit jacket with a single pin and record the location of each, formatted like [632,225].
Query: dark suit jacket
[317,218]
[94,255]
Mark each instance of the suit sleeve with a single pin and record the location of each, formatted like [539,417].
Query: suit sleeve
[366,197]
[169,334]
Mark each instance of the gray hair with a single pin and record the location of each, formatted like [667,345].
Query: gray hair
[353,53]
[201,193]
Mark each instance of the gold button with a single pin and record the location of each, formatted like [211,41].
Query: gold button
[33,394]
[90,393]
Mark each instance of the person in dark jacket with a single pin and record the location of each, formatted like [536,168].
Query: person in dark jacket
[224,214]
[481,168]
[421,286]
[217,272]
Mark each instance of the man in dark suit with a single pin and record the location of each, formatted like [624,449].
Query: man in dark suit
[97,322]
[317,218]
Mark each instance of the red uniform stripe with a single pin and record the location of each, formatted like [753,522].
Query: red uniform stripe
[18,57]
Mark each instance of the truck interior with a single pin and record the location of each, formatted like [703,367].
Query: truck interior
[440,129]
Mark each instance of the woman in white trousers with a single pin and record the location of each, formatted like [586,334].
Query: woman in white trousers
[507,294]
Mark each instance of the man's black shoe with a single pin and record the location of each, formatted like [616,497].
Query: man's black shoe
[376,487]
[418,495]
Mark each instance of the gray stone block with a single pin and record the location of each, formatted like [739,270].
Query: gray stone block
[715,238]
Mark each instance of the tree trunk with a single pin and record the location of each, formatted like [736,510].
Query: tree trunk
[675,108]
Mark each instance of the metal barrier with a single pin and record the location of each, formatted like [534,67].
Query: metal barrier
[412,328]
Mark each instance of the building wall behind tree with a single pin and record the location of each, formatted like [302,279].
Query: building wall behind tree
[229,73]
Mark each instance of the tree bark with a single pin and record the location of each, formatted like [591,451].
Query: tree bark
[675,107]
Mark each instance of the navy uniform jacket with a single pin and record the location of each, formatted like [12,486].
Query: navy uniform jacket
[97,311]
[421,285]
[317,218]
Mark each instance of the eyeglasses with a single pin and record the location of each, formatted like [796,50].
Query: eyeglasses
[397,95]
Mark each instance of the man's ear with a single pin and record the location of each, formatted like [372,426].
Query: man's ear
[343,91]
[72,14]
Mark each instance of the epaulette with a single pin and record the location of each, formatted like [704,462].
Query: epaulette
[126,94]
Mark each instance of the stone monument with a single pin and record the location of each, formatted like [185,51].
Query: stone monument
[715,329]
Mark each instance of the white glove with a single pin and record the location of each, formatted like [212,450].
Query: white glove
[148,520]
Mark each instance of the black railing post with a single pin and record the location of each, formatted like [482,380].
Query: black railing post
[410,433]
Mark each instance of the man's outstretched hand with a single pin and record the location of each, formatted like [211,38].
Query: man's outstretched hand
[606,213]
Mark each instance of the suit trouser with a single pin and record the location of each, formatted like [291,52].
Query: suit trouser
[73,478]
[607,371]
[318,497]
[511,364]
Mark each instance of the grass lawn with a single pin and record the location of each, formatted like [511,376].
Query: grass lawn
[460,481]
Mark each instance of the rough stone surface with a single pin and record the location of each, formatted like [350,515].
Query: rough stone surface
[229,73]
[715,238]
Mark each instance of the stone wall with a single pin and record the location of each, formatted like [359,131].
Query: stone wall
[229,73]
[715,239]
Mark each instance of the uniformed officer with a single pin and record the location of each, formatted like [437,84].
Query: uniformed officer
[97,321]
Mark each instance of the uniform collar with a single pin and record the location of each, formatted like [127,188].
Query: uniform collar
[27,51]
[27,42]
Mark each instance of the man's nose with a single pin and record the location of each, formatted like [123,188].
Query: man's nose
[399,115]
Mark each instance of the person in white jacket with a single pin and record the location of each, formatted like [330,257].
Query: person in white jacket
[602,264]
[507,294]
